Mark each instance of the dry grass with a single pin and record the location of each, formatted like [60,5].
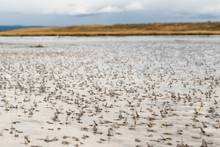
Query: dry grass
[122,30]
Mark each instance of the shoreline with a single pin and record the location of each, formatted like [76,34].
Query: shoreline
[97,92]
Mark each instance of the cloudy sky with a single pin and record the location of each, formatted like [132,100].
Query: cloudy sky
[68,12]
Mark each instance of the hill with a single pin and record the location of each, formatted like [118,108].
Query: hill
[7,28]
[206,28]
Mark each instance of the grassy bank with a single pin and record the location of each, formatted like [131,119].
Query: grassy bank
[122,30]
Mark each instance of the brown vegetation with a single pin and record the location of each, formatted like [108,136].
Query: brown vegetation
[206,28]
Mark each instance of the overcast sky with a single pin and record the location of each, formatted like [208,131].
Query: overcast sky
[67,12]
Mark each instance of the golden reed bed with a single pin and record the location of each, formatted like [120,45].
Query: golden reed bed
[206,28]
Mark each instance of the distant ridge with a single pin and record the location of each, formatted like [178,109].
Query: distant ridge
[197,28]
[14,27]
[6,28]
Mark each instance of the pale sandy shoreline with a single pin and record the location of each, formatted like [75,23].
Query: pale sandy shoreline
[110,91]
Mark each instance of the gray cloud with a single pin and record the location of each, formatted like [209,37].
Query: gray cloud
[77,7]
[107,11]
